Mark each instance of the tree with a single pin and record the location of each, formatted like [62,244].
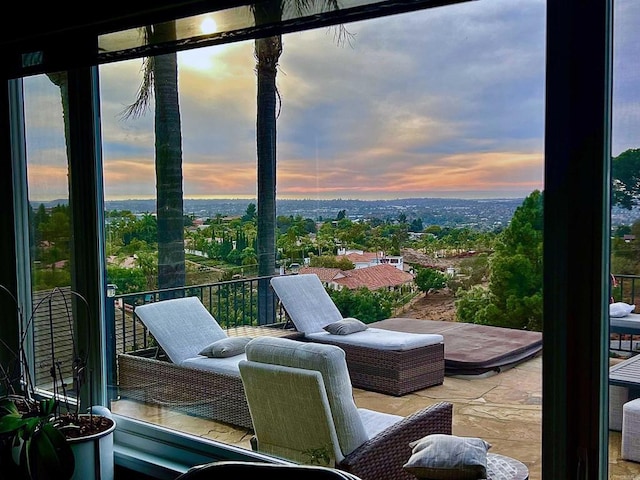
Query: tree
[416,225]
[625,255]
[430,279]
[625,170]
[362,304]
[250,213]
[514,297]
[161,79]
[330,261]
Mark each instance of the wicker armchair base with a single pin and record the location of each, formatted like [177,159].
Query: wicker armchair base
[196,392]
[395,372]
[383,456]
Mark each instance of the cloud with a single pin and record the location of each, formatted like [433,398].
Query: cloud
[441,101]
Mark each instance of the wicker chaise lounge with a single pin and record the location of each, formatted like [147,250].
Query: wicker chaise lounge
[175,374]
[385,361]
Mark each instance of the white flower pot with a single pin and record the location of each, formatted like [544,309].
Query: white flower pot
[94,456]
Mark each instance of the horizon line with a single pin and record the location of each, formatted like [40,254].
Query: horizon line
[308,199]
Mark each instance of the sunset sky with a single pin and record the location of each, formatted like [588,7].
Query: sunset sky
[446,102]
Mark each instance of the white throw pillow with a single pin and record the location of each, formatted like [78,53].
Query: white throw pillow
[620,309]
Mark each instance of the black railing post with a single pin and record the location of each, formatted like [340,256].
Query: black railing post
[110,327]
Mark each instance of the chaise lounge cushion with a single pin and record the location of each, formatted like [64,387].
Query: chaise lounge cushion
[379,339]
[308,308]
[311,309]
[181,326]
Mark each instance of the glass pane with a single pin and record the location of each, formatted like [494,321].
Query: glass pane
[54,342]
[415,142]
[224,25]
[625,228]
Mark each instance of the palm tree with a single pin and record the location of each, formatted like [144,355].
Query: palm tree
[267,52]
[161,78]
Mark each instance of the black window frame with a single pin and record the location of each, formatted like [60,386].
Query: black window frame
[576,229]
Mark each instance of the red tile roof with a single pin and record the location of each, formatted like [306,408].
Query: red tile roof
[366,257]
[326,275]
[374,277]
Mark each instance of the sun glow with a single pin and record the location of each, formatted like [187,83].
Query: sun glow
[208,26]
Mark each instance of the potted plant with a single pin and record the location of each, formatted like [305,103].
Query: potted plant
[42,438]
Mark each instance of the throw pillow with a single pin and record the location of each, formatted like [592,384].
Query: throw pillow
[225,347]
[346,326]
[620,309]
[440,457]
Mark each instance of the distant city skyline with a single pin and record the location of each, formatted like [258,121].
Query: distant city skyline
[443,103]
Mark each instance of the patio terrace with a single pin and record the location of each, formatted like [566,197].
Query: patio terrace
[505,409]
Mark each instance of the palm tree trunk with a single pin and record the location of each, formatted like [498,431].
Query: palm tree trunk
[169,209]
[267,52]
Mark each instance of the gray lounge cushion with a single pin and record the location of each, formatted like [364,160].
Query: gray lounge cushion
[346,326]
[379,338]
[443,457]
[225,347]
[182,326]
[306,301]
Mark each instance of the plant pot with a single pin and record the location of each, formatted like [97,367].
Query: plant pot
[94,455]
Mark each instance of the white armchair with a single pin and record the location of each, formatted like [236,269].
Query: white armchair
[302,408]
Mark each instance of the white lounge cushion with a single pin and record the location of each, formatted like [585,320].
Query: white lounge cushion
[182,326]
[330,361]
[380,339]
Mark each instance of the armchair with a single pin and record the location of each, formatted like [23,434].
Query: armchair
[302,408]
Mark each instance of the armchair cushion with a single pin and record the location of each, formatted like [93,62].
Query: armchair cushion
[330,361]
[225,347]
[445,457]
[346,326]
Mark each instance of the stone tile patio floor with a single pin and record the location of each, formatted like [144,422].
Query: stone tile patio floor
[505,409]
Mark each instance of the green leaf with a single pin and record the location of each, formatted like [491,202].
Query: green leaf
[7,406]
[49,456]
[11,422]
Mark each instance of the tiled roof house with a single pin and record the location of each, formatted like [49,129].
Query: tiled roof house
[373,278]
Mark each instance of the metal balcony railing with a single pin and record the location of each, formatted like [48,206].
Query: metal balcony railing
[232,303]
[625,288]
